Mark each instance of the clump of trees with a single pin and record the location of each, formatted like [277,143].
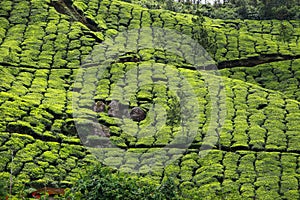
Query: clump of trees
[230,9]
[261,9]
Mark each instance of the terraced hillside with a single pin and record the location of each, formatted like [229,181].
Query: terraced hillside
[231,133]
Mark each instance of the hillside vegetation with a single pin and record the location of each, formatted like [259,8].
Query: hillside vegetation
[241,122]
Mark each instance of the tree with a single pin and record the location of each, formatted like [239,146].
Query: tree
[286,32]
[201,35]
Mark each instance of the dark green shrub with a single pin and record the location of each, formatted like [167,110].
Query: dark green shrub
[104,183]
[4,188]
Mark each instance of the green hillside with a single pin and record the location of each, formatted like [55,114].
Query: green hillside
[223,123]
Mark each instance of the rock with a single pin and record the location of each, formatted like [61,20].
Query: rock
[105,131]
[113,113]
[126,113]
[114,109]
[101,130]
[99,106]
[137,114]
[114,105]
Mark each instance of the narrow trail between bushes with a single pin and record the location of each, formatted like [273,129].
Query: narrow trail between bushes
[256,60]
[65,7]
[221,148]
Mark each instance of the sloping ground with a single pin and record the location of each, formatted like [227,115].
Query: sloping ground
[251,124]
[281,76]
[237,40]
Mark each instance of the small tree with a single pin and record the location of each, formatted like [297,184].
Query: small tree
[286,32]
[201,35]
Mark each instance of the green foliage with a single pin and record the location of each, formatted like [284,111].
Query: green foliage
[4,187]
[104,183]
[286,32]
[200,33]
[230,9]
[40,48]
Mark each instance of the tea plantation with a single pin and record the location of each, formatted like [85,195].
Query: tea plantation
[231,133]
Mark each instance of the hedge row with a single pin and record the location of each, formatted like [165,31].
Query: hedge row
[36,35]
[220,174]
[232,116]
[37,163]
[37,99]
[233,39]
[241,39]
[252,117]
[43,38]
[281,76]
[37,103]
[261,119]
